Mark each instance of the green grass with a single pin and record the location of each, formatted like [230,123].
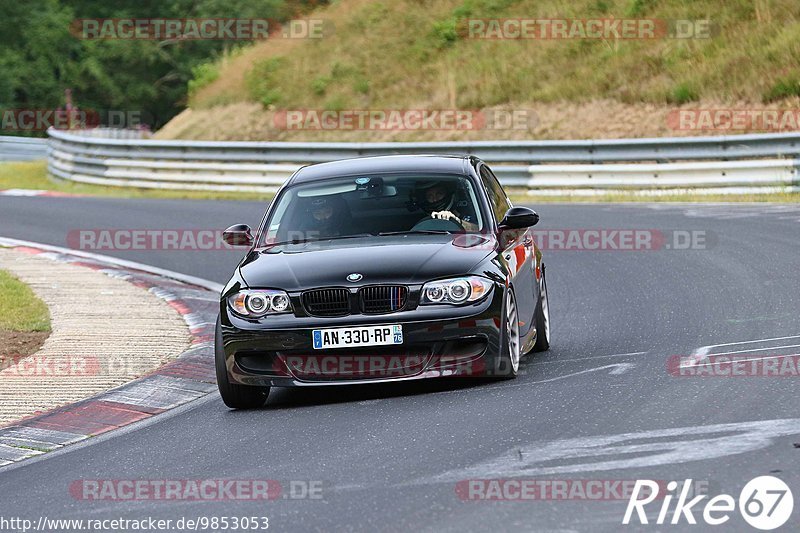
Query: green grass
[20,309]
[666,198]
[33,175]
[783,88]
[419,54]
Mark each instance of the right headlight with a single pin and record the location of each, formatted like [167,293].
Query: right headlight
[455,291]
[259,303]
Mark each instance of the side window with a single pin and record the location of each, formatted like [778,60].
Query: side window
[497,197]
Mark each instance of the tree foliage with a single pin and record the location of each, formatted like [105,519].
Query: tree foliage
[41,54]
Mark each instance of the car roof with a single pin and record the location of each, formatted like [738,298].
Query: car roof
[442,164]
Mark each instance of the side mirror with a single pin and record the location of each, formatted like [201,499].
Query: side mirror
[518,218]
[238,235]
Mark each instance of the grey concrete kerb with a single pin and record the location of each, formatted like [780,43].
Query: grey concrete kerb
[164,317]
[105,332]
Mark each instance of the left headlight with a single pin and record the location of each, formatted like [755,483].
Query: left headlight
[259,303]
[455,291]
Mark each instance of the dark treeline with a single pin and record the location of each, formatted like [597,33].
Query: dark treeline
[42,55]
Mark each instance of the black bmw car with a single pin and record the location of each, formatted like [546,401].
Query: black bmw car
[382,269]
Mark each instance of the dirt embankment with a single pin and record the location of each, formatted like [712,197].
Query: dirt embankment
[601,119]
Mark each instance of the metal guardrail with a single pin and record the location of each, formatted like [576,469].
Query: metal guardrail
[117,133]
[22,148]
[263,166]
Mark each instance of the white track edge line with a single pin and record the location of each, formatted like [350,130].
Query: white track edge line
[123,263]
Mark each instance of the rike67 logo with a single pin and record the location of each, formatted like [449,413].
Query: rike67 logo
[765,503]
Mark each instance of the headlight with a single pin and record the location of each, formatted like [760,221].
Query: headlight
[258,303]
[455,291]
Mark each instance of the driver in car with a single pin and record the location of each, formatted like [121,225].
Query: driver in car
[439,200]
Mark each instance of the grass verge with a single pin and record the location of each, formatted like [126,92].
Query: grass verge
[666,198]
[20,309]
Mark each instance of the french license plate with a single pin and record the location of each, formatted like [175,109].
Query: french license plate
[357,336]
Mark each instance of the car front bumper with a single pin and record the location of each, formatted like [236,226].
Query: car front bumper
[438,341]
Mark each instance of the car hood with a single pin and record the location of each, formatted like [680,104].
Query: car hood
[389,259]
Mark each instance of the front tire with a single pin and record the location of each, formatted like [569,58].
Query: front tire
[234,395]
[507,365]
[542,319]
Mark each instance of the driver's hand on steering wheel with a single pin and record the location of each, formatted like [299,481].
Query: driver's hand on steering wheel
[445,215]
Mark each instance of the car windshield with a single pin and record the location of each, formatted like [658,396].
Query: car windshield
[374,205]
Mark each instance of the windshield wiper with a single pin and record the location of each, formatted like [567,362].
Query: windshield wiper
[417,232]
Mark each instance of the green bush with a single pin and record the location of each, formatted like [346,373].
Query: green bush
[783,88]
[361,85]
[320,85]
[682,93]
[203,74]
[262,80]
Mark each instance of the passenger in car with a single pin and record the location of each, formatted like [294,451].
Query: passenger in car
[328,216]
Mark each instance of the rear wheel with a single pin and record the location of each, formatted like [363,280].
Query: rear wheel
[542,319]
[508,363]
[233,395]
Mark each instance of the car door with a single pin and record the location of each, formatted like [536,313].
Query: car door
[518,253]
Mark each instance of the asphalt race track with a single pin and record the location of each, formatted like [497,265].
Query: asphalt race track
[600,405]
